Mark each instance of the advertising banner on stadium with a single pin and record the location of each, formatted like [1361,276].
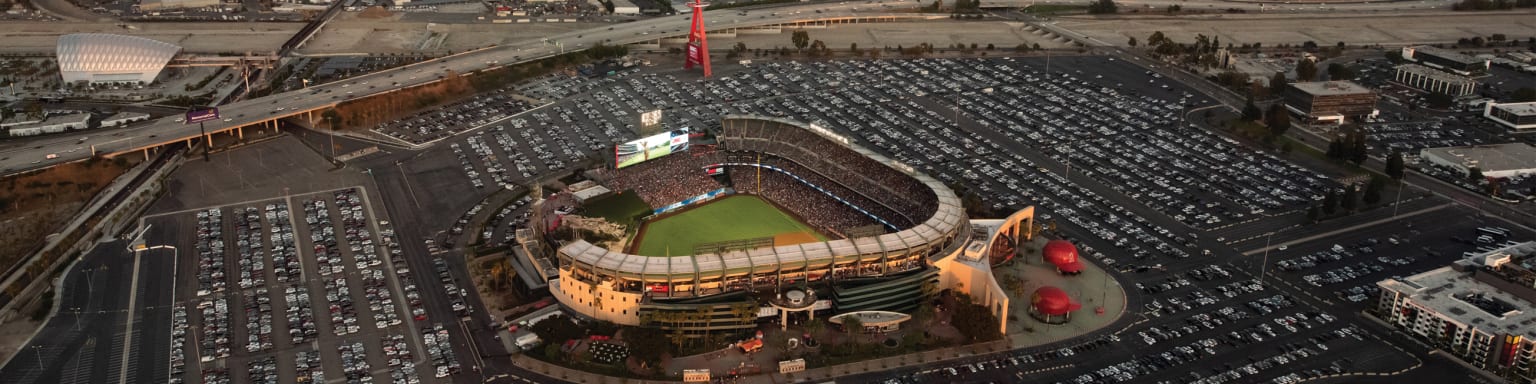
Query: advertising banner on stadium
[650,147]
[707,196]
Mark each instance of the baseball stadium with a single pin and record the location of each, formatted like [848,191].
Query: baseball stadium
[770,219]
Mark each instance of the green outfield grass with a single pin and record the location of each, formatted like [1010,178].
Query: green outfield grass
[737,217]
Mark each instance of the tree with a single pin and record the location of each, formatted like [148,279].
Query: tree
[1395,166]
[975,322]
[1101,7]
[1331,202]
[1439,100]
[854,327]
[1306,70]
[1277,84]
[1524,94]
[1374,189]
[1278,120]
[1338,71]
[646,344]
[1251,112]
[1132,42]
[1156,38]
[1351,199]
[1358,152]
[1394,56]
[1474,174]
[1313,213]
[1309,46]
[800,39]
[853,47]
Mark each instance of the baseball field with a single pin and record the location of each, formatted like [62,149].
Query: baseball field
[738,217]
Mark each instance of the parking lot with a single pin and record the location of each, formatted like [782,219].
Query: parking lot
[275,278]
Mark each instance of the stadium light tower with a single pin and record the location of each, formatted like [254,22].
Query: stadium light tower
[698,46]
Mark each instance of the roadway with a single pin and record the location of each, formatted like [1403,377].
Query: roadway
[254,113]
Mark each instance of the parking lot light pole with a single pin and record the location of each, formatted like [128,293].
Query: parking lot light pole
[1264,266]
[1399,200]
[39,354]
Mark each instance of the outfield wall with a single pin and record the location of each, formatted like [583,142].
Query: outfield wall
[706,196]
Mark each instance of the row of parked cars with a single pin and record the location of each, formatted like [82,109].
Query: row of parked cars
[301,314]
[251,268]
[306,367]
[1011,360]
[333,271]
[440,350]
[1342,274]
[178,344]
[258,320]
[887,118]
[453,119]
[1196,350]
[366,252]
[402,368]
[215,339]
[509,231]
[455,294]
[210,252]
[262,370]
[354,363]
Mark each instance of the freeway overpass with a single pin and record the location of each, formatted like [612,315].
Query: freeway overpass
[264,112]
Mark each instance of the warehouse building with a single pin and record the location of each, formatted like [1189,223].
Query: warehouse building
[1331,101]
[1446,60]
[1478,309]
[1513,115]
[51,124]
[1429,80]
[1497,160]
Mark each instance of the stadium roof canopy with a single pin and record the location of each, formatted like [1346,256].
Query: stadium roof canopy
[103,57]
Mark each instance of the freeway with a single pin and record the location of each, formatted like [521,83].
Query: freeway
[258,112]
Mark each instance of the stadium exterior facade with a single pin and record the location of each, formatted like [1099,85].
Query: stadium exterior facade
[109,58]
[733,290]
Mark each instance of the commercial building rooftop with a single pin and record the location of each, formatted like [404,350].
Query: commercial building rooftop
[1518,109]
[1489,158]
[1326,88]
[1447,54]
[1432,73]
[1459,296]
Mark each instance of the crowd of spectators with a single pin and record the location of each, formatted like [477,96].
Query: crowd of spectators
[911,200]
[815,208]
[666,180]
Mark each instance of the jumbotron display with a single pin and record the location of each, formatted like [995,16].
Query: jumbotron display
[649,148]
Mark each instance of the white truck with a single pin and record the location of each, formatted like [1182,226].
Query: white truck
[528,341]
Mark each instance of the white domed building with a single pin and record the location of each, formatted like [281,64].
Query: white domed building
[109,58]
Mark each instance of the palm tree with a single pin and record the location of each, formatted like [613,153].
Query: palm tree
[678,337]
[705,314]
[854,327]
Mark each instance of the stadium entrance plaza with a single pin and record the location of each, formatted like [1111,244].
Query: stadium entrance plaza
[1094,288]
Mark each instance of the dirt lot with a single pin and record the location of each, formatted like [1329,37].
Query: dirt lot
[39,37]
[1440,27]
[37,204]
